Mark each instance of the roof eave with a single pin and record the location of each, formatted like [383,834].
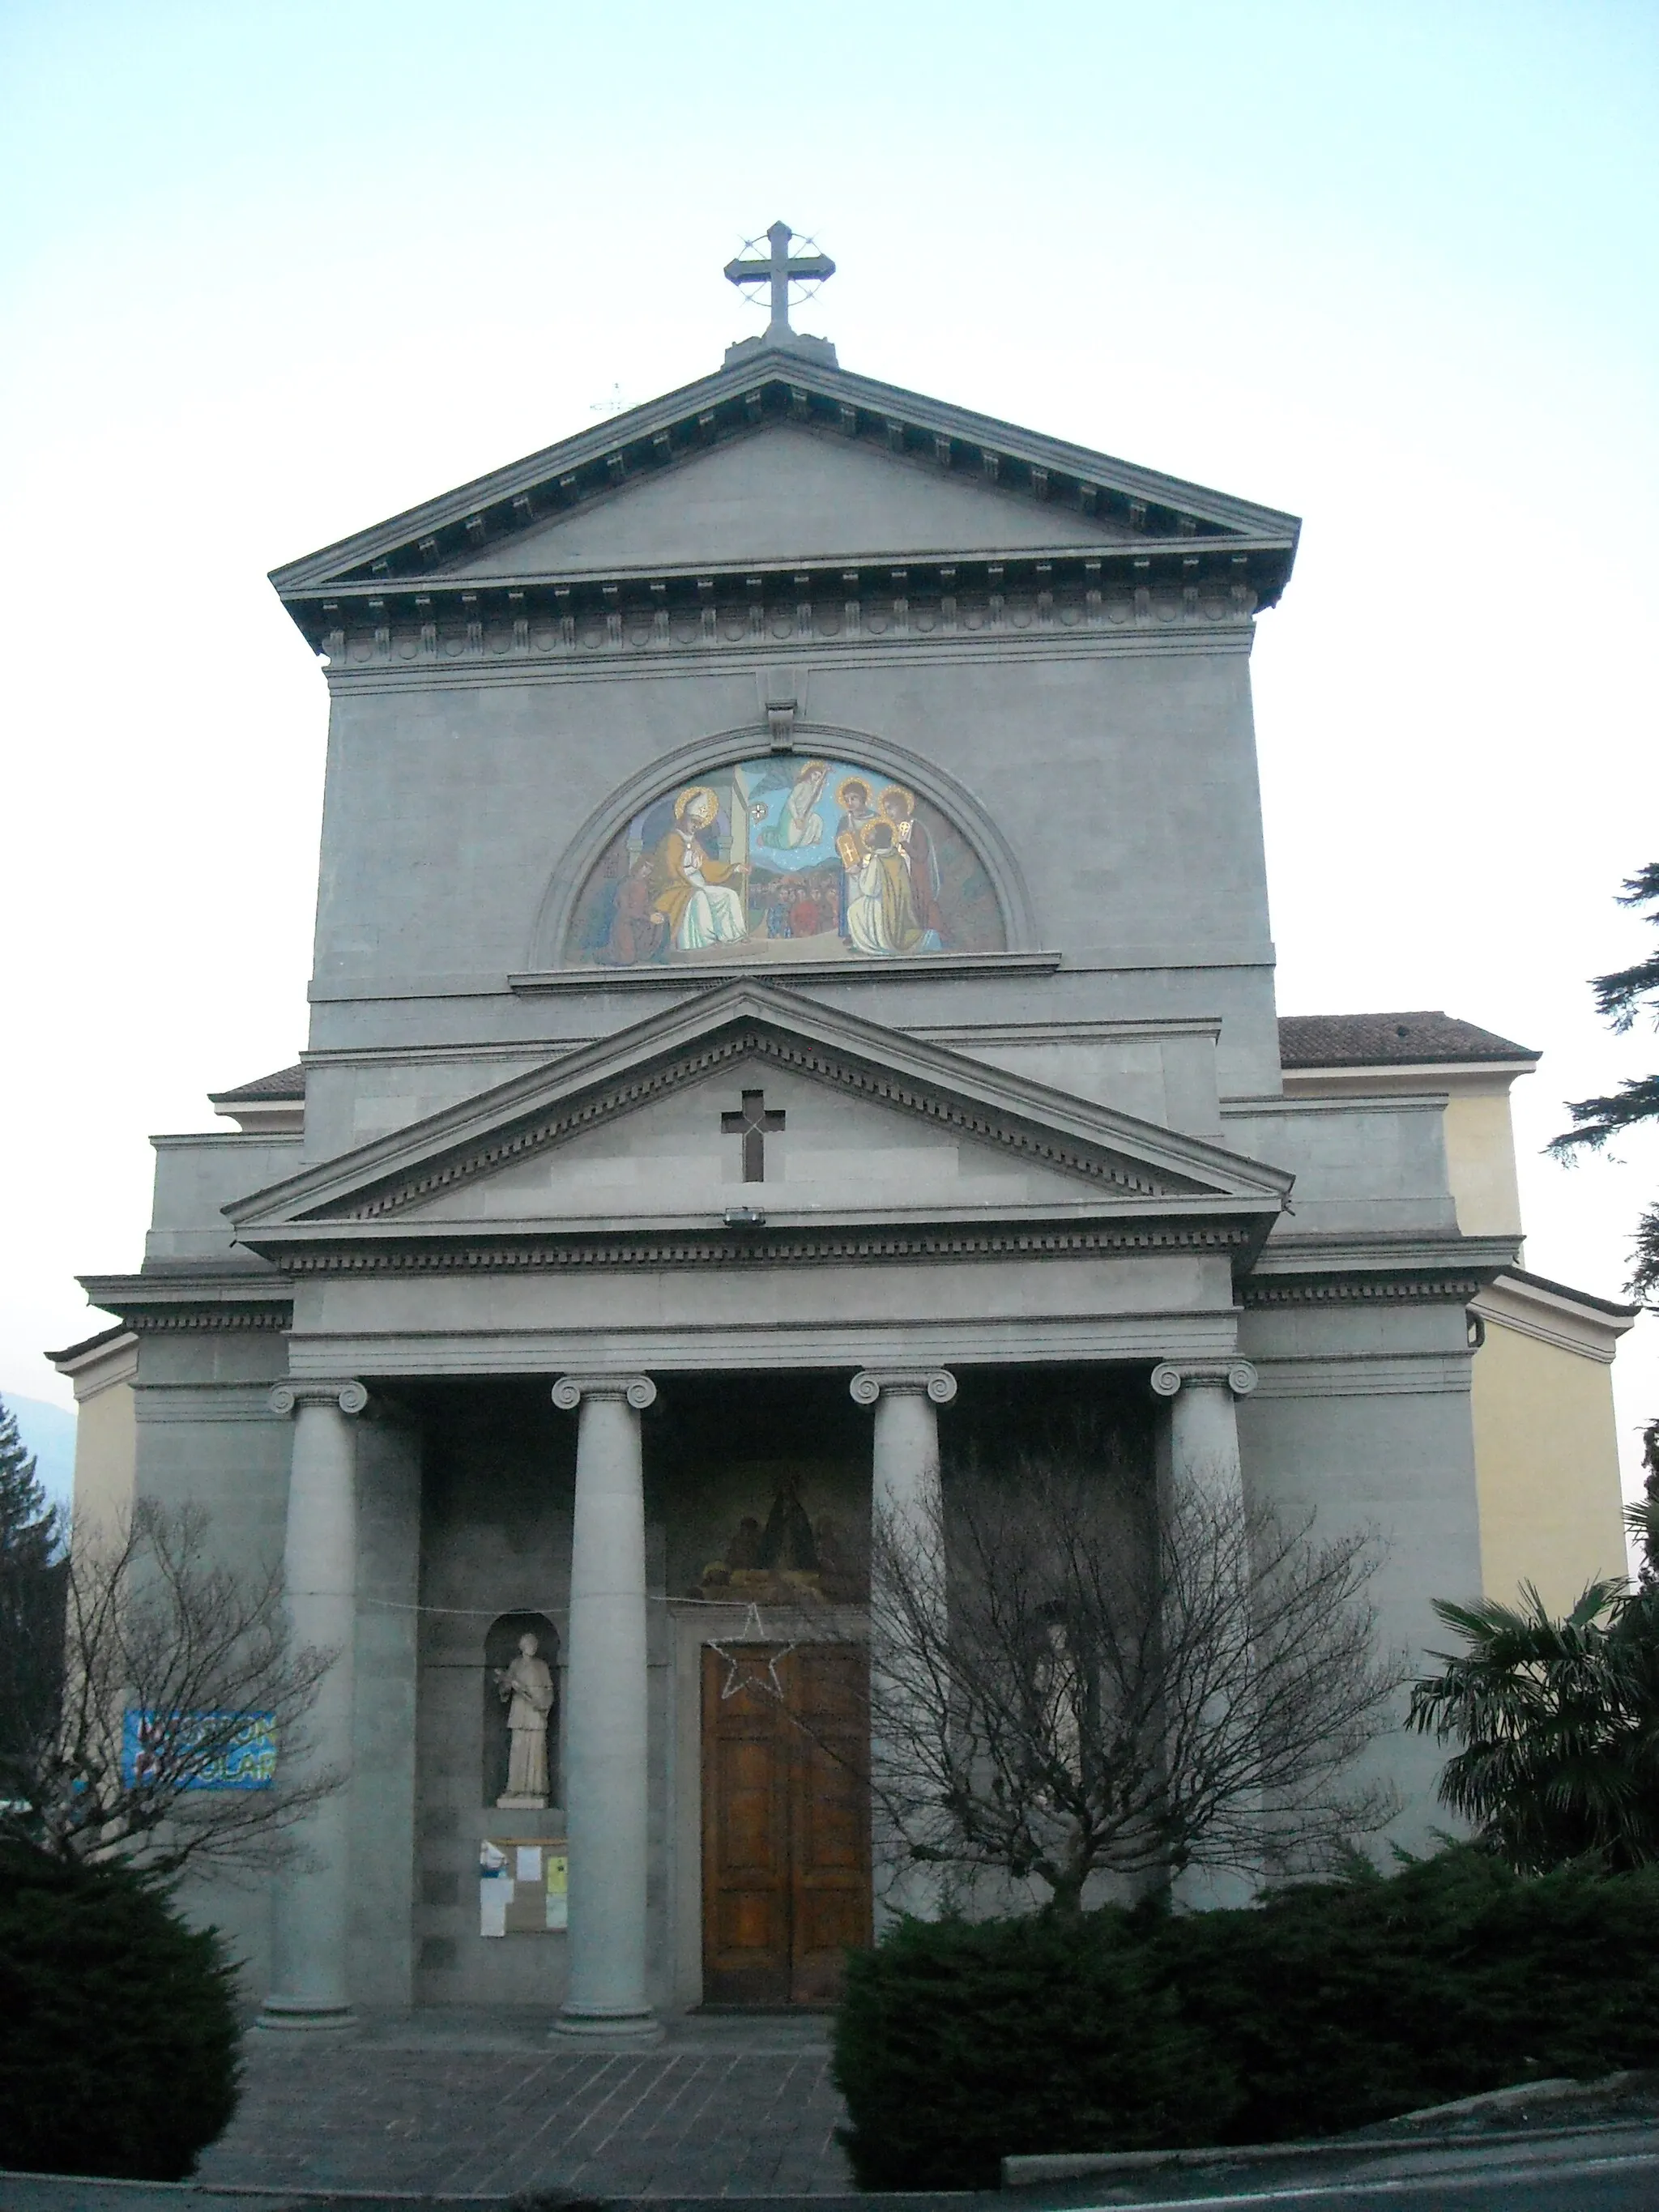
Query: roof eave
[799,380]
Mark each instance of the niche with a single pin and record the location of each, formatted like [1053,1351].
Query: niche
[500,1650]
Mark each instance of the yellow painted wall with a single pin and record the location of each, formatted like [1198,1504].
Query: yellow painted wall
[1547,1468]
[1480,1163]
[106,1454]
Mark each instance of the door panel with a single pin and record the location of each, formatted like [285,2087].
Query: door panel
[829,1843]
[786,1826]
[745,1846]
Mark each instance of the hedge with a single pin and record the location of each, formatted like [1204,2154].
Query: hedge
[118,2025]
[1327,2007]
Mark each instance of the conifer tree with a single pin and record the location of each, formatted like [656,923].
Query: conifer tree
[1622,998]
[32,1591]
[30,1527]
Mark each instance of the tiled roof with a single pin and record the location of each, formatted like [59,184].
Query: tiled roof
[1377,1040]
[286,1083]
[87,1344]
[1304,1040]
[1567,1291]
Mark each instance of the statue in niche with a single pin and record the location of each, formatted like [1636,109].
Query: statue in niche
[1058,1693]
[525,1688]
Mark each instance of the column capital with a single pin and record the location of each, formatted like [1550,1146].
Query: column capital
[569,1390]
[350,1397]
[872,1383]
[1235,1375]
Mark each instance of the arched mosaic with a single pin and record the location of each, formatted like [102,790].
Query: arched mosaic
[785,859]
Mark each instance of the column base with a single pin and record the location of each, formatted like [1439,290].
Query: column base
[602,2030]
[294,2016]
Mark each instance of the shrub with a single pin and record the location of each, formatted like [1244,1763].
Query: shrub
[957,2044]
[1329,2006]
[1343,2004]
[118,2026]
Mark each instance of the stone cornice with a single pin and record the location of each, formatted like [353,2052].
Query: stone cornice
[1036,597]
[1360,1290]
[1387,1269]
[472,1251]
[193,1299]
[171,1320]
[692,975]
[480,671]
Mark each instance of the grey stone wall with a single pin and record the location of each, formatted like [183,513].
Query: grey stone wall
[495,1539]
[1362,1416]
[206,1437]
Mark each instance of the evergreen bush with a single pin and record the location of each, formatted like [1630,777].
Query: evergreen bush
[1328,2007]
[118,2025]
[1342,2003]
[959,2043]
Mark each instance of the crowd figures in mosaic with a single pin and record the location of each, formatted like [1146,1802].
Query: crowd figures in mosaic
[781,859]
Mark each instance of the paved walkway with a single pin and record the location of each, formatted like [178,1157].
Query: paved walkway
[470,2104]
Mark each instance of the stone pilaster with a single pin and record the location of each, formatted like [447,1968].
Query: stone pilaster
[311,1904]
[605,1727]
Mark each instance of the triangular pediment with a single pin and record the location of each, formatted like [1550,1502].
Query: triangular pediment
[785,493]
[634,1136]
[700,480]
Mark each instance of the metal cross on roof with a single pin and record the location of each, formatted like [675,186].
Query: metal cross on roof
[780,271]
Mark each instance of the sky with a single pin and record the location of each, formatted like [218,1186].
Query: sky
[270,272]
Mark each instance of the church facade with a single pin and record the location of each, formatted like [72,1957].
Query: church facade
[793,993]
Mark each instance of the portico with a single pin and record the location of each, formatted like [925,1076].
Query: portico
[430,1259]
[637,1757]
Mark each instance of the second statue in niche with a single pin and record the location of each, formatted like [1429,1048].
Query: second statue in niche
[525,1688]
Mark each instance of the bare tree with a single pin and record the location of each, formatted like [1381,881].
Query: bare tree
[1070,1676]
[178,1735]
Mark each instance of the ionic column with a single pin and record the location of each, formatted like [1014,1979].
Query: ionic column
[605,1729]
[1202,1395]
[311,1905]
[905,1460]
[1204,1457]
[906,1506]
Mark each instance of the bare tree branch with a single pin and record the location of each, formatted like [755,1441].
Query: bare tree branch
[1070,1677]
[179,1678]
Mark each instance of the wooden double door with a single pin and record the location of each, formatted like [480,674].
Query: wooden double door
[786,1824]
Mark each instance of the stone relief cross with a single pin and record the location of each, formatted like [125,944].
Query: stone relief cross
[778,271]
[752,1124]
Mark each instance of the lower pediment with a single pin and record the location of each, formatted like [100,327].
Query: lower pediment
[687,1136]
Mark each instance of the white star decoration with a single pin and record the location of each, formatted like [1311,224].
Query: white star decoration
[736,1677]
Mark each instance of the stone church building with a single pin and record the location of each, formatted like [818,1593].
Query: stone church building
[793,994]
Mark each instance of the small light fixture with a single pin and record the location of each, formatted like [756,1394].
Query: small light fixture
[744,1217]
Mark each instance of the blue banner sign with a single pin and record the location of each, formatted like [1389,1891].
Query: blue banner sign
[211,1751]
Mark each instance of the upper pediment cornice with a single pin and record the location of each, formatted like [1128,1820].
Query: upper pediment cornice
[1142,512]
